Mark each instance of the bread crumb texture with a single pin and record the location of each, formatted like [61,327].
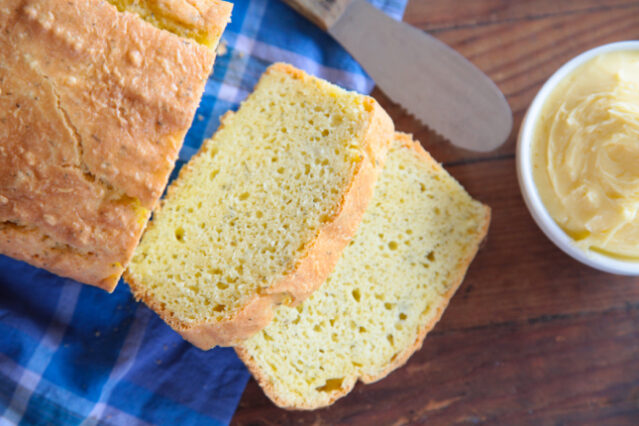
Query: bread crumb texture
[246,209]
[411,250]
[94,105]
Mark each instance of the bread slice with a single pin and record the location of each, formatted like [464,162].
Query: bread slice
[94,106]
[389,288]
[261,214]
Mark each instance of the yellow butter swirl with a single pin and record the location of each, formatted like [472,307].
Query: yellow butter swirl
[586,154]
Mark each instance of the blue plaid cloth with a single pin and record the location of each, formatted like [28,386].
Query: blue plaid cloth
[73,354]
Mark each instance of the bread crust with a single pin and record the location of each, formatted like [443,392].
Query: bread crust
[349,381]
[269,390]
[320,256]
[204,15]
[94,107]
[99,269]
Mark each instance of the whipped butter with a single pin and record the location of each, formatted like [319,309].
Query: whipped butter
[585,154]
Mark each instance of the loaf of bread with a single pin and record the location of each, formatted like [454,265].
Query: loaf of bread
[261,214]
[389,288]
[94,106]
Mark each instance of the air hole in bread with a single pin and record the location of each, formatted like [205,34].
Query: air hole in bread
[331,385]
[356,294]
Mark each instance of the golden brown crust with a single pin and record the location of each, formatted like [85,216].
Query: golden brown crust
[215,14]
[102,270]
[254,316]
[94,105]
[320,257]
[350,381]
[202,15]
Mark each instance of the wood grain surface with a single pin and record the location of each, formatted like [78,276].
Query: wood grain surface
[532,336]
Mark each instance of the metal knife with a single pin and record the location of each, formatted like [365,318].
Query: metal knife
[429,79]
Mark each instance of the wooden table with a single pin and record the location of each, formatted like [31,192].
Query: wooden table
[532,336]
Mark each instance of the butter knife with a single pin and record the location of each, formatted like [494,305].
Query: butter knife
[429,79]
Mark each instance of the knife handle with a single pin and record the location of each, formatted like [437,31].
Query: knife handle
[322,13]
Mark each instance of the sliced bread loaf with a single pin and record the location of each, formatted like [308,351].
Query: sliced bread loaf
[261,214]
[389,288]
[94,106]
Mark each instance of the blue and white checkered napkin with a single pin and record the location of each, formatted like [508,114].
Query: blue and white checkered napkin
[73,354]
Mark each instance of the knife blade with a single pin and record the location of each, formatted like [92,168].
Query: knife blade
[429,79]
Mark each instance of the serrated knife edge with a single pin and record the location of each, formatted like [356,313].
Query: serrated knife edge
[429,79]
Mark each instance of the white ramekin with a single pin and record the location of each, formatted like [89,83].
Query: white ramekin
[527,183]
